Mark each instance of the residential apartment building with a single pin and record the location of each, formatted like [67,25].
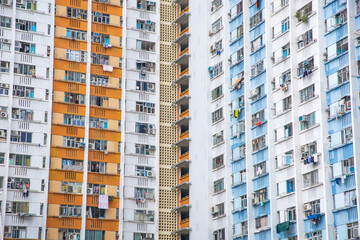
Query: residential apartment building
[84,174]
[26,48]
[139,180]
[295,105]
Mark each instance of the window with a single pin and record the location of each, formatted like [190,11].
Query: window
[308,150]
[69,164]
[22,114]
[5,44]
[145,128]
[25,25]
[218,185]
[143,149]
[145,66]
[352,230]
[307,121]
[73,142]
[287,103]
[261,222]
[276,5]
[236,10]
[336,20]
[215,4]
[76,34]
[260,196]
[218,161]
[17,207]
[258,118]
[290,186]
[24,137]
[240,202]
[100,17]
[75,98]
[348,166]
[2,158]
[310,179]
[216,48]
[74,120]
[99,167]
[98,144]
[307,93]
[22,91]
[217,115]
[219,234]
[96,189]
[4,66]
[99,101]
[285,25]
[141,236]
[66,233]
[146,5]
[144,215]
[18,183]
[145,25]
[256,44]
[78,56]
[5,22]
[76,13]
[237,57]
[24,69]
[15,232]
[19,160]
[306,67]
[145,86]
[256,19]
[259,143]
[238,153]
[257,68]
[338,78]
[145,107]
[217,92]
[215,70]
[146,46]
[75,77]
[70,211]
[286,51]
[27,4]
[305,39]
[260,169]
[218,138]
[341,137]
[144,193]
[217,25]
[100,38]
[236,33]
[24,47]
[143,171]
[239,177]
[350,198]
[312,208]
[237,128]
[314,235]
[94,235]
[303,13]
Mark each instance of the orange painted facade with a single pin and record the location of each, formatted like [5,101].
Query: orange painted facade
[60,152]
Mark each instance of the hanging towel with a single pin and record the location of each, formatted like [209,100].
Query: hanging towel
[108,68]
[103,202]
[236,113]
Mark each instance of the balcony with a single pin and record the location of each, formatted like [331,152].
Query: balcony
[183,93]
[102,224]
[63,175]
[100,178]
[183,157]
[64,222]
[181,31]
[93,201]
[181,11]
[183,114]
[183,135]
[183,179]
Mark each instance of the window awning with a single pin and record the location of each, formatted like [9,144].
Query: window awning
[282,227]
[237,82]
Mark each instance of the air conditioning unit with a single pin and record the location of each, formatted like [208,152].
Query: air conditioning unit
[327,109]
[151,86]
[5,85]
[150,174]
[307,206]
[89,191]
[254,93]
[149,235]
[15,133]
[20,1]
[91,146]
[215,209]
[7,2]
[7,230]
[3,114]
[303,118]
[152,147]
[2,133]
[72,236]
[356,232]
[212,48]
[254,201]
